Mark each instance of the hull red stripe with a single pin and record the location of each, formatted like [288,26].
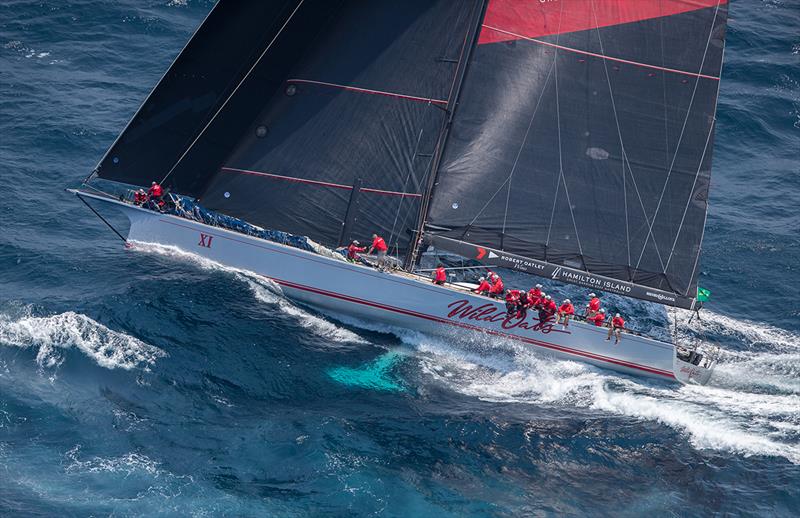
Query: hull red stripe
[317,182]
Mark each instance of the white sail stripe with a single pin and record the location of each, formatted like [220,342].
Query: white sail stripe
[683,129]
[224,104]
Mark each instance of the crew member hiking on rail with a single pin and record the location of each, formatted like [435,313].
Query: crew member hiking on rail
[352,251]
[512,302]
[565,312]
[598,318]
[379,247]
[593,307]
[535,294]
[498,288]
[483,286]
[439,275]
[617,325]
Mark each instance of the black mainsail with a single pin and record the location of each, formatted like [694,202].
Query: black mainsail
[318,96]
[566,138]
[581,148]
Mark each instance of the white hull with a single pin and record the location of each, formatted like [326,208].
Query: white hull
[402,300]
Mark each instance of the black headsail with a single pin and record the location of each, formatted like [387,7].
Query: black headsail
[581,148]
[276,109]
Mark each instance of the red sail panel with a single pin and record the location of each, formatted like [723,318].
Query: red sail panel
[508,20]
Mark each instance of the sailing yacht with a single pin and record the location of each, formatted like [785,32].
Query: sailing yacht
[567,139]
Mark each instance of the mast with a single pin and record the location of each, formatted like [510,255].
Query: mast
[452,104]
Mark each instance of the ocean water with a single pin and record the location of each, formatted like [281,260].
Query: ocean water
[147,382]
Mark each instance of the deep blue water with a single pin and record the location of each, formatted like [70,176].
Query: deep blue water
[143,383]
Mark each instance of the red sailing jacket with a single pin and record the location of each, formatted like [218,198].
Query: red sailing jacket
[567,309]
[155,191]
[498,286]
[598,319]
[618,322]
[352,251]
[534,294]
[594,304]
[379,245]
[441,276]
[484,286]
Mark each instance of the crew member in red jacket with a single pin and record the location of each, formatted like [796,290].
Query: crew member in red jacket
[483,286]
[593,307]
[535,293]
[598,318]
[523,304]
[512,300]
[379,247]
[139,197]
[498,288]
[439,275]
[565,312]
[617,325]
[353,249]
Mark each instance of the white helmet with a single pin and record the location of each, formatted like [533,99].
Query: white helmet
[567,301]
[538,285]
[592,295]
[602,310]
[547,297]
[617,315]
[482,279]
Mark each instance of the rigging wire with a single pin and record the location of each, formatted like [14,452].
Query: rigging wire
[104,220]
[683,128]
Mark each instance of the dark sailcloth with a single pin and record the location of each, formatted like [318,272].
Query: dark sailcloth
[300,102]
[582,143]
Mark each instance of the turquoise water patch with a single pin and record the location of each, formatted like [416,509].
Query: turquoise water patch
[374,375]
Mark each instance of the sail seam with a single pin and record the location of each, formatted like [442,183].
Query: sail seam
[610,58]
[225,103]
[369,91]
[318,182]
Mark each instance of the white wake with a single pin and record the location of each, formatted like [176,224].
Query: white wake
[751,407]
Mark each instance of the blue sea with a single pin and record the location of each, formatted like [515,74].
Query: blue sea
[149,383]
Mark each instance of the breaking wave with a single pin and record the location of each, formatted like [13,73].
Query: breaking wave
[53,335]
